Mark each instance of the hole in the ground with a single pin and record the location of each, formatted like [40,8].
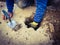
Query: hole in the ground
[27,21]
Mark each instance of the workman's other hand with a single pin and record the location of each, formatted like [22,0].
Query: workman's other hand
[10,14]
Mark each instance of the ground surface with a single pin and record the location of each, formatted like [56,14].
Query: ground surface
[26,36]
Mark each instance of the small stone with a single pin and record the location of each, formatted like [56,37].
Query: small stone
[9,42]
[46,35]
[26,38]
[6,33]
[1,6]
[0,22]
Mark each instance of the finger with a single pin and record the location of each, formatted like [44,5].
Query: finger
[11,15]
[4,17]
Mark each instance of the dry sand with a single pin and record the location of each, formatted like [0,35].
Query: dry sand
[24,36]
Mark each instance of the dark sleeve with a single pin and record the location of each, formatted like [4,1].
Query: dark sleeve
[10,5]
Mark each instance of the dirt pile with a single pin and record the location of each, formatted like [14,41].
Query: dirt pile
[28,36]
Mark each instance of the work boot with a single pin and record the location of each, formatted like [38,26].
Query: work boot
[24,3]
[30,23]
[34,25]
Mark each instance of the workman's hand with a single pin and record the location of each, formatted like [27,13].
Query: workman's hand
[10,14]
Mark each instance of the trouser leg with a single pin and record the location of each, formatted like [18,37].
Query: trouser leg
[40,9]
[10,5]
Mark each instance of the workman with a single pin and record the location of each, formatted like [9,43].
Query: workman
[40,10]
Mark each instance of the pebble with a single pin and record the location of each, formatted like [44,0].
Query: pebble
[0,22]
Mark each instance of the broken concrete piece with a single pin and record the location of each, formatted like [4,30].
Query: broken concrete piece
[17,27]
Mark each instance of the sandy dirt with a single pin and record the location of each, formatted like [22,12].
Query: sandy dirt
[25,36]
